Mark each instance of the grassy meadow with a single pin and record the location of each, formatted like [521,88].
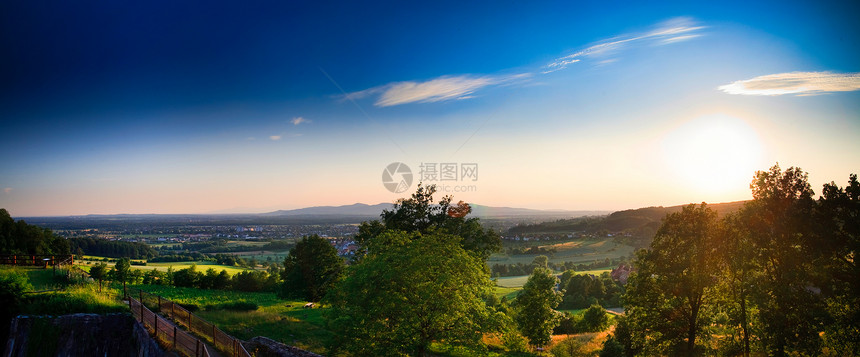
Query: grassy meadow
[202,266]
[577,251]
[54,294]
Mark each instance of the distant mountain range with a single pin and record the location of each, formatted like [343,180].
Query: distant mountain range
[641,222]
[361,210]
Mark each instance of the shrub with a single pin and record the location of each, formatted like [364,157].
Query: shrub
[570,347]
[514,341]
[12,288]
[612,348]
[594,319]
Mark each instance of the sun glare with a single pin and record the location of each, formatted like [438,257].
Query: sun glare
[715,155]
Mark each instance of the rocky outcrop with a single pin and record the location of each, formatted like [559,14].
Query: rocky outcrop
[80,335]
[267,347]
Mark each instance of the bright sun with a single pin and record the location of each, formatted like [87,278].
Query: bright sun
[715,155]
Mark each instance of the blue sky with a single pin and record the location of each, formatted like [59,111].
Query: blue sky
[199,107]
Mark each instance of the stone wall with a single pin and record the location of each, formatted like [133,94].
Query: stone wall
[80,335]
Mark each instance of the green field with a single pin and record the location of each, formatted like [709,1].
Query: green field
[577,251]
[55,294]
[520,280]
[201,266]
[263,255]
[40,278]
[512,281]
[510,293]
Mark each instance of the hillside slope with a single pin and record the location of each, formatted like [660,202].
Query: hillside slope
[637,226]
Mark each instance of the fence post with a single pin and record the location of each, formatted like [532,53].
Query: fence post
[159,303]
[142,319]
[174,337]
[197,349]
[172,310]
[189,321]
[215,343]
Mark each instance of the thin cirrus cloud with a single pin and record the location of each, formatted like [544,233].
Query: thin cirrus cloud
[434,90]
[667,32]
[458,87]
[275,137]
[799,83]
[299,120]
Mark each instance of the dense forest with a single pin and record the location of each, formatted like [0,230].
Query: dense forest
[111,248]
[22,238]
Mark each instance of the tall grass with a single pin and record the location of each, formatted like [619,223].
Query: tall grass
[78,298]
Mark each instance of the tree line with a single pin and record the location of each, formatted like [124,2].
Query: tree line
[22,238]
[190,277]
[111,248]
[778,277]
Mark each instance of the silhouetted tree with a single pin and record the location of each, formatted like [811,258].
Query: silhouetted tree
[667,296]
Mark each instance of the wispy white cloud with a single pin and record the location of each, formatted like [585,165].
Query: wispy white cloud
[7,190]
[434,90]
[800,83]
[667,32]
[299,120]
[275,137]
[678,39]
[458,87]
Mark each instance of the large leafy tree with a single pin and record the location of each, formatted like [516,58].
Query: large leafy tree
[420,214]
[536,315]
[311,267]
[411,289]
[783,238]
[668,296]
[839,219]
[737,278]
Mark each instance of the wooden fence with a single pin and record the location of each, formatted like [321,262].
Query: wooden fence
[166,333]
[225,343]
[36,259]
